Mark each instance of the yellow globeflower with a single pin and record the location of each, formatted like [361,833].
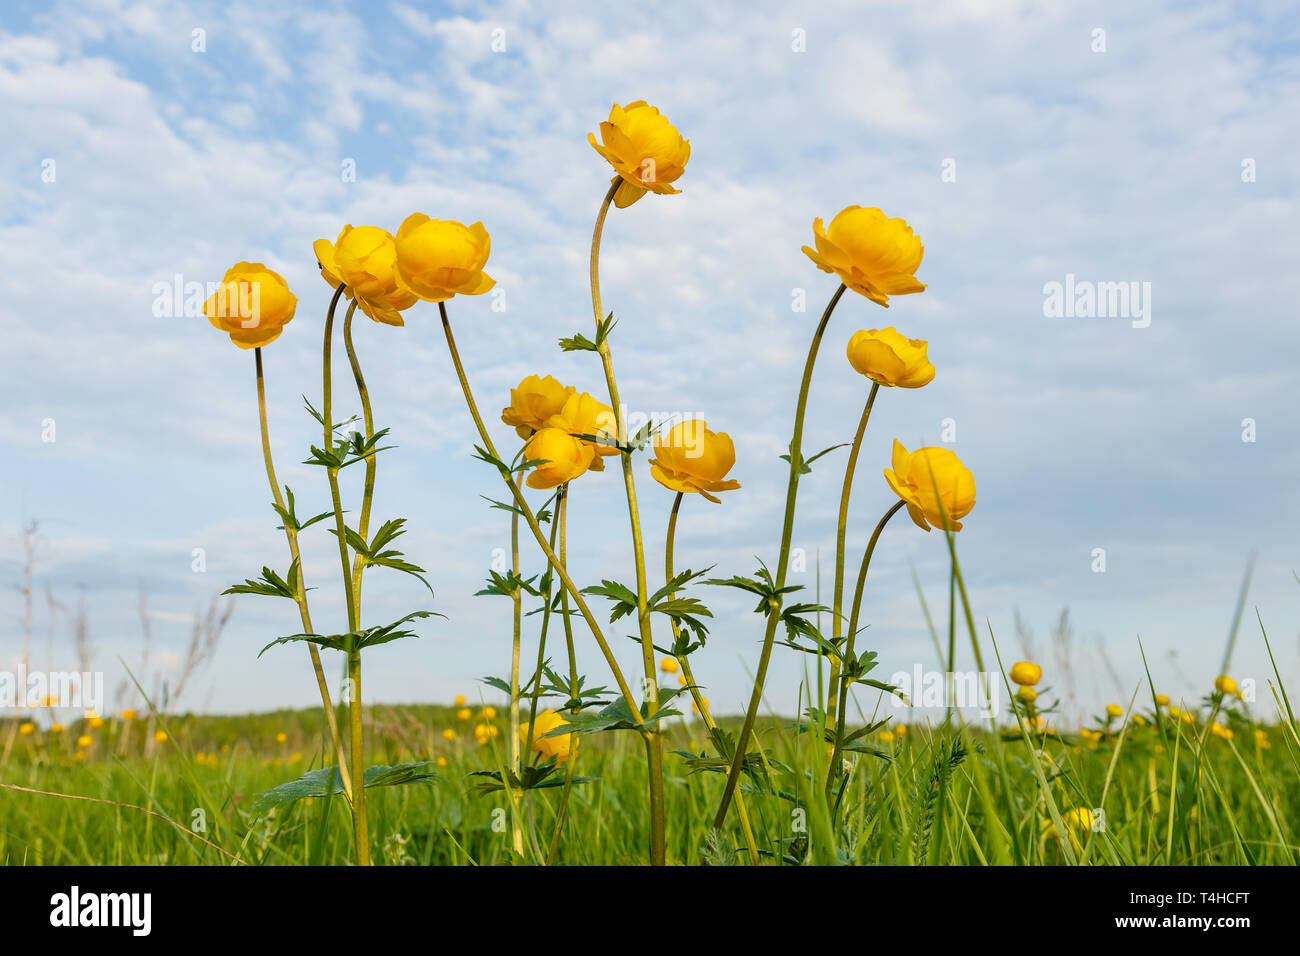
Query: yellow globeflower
[463,714]
[696,707]
[95,722]
[1114,710]
[560,746]
[1225,685]
[27,728]
[1079,820]
[85,740]
[253,304]
[449,734]
[439,258]
[364,259]
[872,254]
[645,150]
[128,715]
[901,730]
[915,478]
[160,737]
[1027,694]
[563,458]
[1261,739]
[442,761]
[691,458]
[890,358]
[668,665]
[459,701]
[1162,700]
[1026,673]
[281,737]
[488,712]
[533,401]
[56,728]
[583,414]
[1220,731]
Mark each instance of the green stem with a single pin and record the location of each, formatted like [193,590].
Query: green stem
[840,531]
[843,703]
[653,739]
[701,704]
[522,504]
[368,492]
[561,515]
[358,762]
[541,642]
[516,599]
[787,531]
[300,595]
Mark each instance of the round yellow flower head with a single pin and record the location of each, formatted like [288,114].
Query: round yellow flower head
[1027,694]
[281,737]
[488,712]
[584,414]
[560,746]
[1162,700]
[1225,685]
[1026,673]
[1220,731]
[901,730]
[449,734]
[1261,739]
[128,715]
[872,254]
[534,401]
[1139,720]
[459,701]
[563,458]
[645,150]
[27,728]
[463,714]
[160,737]
[95,722]
[56,728]
[1114,710]
[915,478]
[1077,821]
[691,458]
[668,665]
[886,737]
[365,260]
[85,741]
[442,761]
[890,358]
[439,258]
[252,304]
[696,707]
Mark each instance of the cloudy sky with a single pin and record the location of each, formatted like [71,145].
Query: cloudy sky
[1152,143]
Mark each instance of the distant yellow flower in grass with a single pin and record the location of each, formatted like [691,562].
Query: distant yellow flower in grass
[669,665]
[890,358]
[448,734]
[1225,685]
[584,414]
[442,761]
[901,730]
[645,150]
[560,746]
[1114,710]
[1162,700]
[85,741]
[696,707]
[27,728]
[1027,694]
[692,458]
[681,679]
[1220,731]
[1261,739]
[160,736]
[440,258]
[56,728]
[872,254]
[253,304]
[464,714]
[1076,821]
[459,701]
[533,401]
[1026,673]
[281,737]
[886,737]
[128,715]
[937,488]
[295,757]
[1139,720]
[365,260]
[488,712]
[94,723]
[1037,723]
[563,458]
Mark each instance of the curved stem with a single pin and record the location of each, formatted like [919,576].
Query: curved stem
[516,600]
[541,641]
[840,530]
[368,492]
[787,530]
[300,594]
[701,704]
[359,828]
[852,638]
[522,503]
[561,515]
[653,738]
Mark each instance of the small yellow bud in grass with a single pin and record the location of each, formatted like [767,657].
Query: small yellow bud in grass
[668,665]
[281,737]
[1162,700]
[160,737]
[459,701]
[1225,685]
[1220,731]
[487,713]
[128,715]
[464,714]
[27,729]
[442,761]
[449,734]
[681,679]
[1026,673]
[1114,710]
[901,730]
[1261,739]
[56,728]
[886,737]
[85,740]
[1027,694]
[696,707]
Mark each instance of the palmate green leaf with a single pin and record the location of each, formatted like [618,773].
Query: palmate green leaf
[321,419]
[356,640]
[326,780]
[762,584]
[289,516]
[539,777]
[270,584]
[505,585]
[618,716]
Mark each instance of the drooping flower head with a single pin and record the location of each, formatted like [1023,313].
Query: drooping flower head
[440,258]
[562,457]
[936,487]
[253,304]
[365,260]
[693,459]
[645,150]
[872,254]
[890,358]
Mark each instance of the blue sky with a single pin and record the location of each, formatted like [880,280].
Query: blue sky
[1122,165]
